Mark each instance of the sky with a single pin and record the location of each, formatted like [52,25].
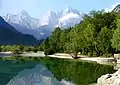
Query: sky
[37,8]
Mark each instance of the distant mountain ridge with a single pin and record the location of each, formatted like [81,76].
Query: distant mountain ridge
[41,28]
[9,35]
[117,8]
[22,18]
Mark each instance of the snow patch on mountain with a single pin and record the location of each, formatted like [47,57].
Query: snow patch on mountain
[22,19]
[41,28]
[69,20]
[69,17]
[66,18]
[49,18]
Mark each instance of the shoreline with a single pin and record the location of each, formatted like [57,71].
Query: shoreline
[98,60]
[92,59]
[58,55]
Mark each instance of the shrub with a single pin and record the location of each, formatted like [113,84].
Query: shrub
[90,54]
[107,55]
[84,53]
[35,50]
[95,54]
[16,51]
[49,52]
[27,49]
[40,48]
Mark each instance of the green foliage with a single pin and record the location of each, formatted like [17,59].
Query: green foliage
[55,39]
[107,55]
[90,54]
[84,52]
[49,51]
[104,40]
[16,49]
[95,54]
[97,34]
[92,36]
[116,37]
[21,47]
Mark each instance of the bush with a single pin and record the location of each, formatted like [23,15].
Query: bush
[95,54]
[21,47]
[84,53]
[27,49]
[90,54]
[49,52]
[40,48]
[16,51]
[107,55]
[35,50]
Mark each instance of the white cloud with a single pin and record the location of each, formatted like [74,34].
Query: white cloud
[111,8]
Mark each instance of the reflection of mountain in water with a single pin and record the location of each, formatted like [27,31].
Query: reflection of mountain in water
[37,76]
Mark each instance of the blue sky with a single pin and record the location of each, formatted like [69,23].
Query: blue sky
[36,8]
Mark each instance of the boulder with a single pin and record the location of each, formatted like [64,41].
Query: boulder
[110,79]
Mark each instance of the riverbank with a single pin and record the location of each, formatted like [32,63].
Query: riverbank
[58,55]
[83,57]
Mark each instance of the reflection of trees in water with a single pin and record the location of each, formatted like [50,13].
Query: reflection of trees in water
[39,75]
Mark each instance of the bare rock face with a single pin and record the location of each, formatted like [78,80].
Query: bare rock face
[110,79]
[117,8]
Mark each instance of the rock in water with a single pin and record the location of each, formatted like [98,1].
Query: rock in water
[110,79]
[36,76]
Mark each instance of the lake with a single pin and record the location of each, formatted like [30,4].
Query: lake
[75,71]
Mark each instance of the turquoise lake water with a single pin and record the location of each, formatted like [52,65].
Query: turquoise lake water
[78,72]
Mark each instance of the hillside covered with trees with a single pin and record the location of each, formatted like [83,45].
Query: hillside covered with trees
[10,36]
[98,34]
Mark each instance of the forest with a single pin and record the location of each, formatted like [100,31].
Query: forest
[98,34]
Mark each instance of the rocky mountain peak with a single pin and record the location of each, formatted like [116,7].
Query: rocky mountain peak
[117,8]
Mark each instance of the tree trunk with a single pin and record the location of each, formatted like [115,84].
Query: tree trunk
[74,55]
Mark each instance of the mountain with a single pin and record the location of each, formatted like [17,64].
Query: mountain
[23,19]
[69,17]
[66,18]
[117,8]
[49,18]
[41,28]
[24,23]
[9,35]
